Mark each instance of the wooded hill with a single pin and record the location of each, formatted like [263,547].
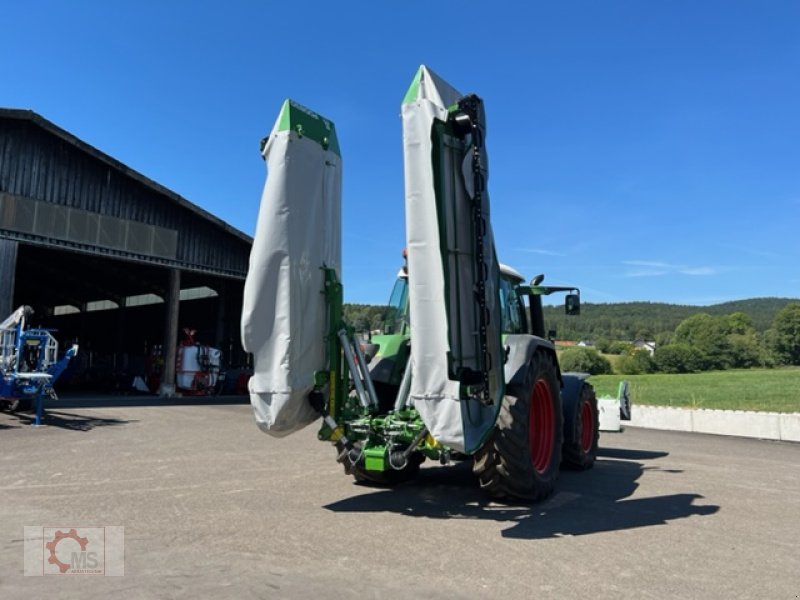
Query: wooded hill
[645,320]
[619,321]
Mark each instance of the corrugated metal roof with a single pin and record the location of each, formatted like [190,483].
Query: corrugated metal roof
[101,204]
[29,115]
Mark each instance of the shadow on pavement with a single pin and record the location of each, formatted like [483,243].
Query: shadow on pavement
[70,421]
[54,415]
[584,503]
[630,454]
[78,401]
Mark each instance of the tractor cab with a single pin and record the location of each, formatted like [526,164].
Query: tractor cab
[388,351]
[395,320]
[521,313]
[521,305]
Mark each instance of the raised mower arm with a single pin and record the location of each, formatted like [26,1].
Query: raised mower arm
[470,376]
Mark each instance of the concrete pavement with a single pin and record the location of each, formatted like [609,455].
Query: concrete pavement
[213,508]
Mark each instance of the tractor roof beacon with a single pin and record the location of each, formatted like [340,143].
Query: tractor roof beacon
[462,369]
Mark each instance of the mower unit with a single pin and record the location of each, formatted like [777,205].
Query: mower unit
[462,369]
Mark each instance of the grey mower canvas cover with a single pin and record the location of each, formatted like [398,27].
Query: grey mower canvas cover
[443,272]
[298,233]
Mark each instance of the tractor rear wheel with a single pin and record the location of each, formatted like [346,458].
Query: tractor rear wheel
[580,448]
[521,458]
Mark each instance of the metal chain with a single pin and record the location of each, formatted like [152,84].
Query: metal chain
[471,105]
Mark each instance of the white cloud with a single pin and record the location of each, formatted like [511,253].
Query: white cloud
[648,263]
[649,268]
[541,251]
[698,271]
[645,272]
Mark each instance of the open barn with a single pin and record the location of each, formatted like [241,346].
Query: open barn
[111,259]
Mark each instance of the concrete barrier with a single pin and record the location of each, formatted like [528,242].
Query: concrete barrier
[762,425]
[790,427]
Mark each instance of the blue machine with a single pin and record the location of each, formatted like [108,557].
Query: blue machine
[29,364]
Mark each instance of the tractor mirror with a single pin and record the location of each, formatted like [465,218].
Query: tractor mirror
[572,304]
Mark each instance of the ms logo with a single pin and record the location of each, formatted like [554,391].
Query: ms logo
[70,546]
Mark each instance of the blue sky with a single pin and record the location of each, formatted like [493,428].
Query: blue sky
[641,150]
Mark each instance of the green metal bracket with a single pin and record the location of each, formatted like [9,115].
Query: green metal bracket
[375,458]
[334,378]
[307,123]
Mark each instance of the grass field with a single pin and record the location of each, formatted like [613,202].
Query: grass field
[775,390]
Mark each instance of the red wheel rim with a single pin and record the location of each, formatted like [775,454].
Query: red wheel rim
[541,426]
[587,426]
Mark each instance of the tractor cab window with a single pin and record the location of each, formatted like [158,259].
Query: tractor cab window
[396,318]
[510,307]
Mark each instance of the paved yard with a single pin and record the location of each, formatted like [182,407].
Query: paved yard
[214,508]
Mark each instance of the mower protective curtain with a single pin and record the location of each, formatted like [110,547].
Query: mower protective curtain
[443,270]
[298,233]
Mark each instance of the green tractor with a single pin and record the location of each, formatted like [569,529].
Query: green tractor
[462,369]
[547,419]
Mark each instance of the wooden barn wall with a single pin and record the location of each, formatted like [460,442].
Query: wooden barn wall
[37,164]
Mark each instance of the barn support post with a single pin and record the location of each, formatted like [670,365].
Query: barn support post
[235,299]
[167,389]
[220,334]
[8,270]
[120,353]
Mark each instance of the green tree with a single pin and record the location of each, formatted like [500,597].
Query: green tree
[619,347]
[786,336]
[709,335]
[603,344]
[364,317]
[677,358]
[664,338]
[635,362]
[584,360]
[623,321]
[739,323]
[745,350]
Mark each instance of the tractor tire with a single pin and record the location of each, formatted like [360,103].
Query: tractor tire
[521,458]
[580,447]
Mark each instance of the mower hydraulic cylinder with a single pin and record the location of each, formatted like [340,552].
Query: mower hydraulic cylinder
[405,388]
[355,371]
